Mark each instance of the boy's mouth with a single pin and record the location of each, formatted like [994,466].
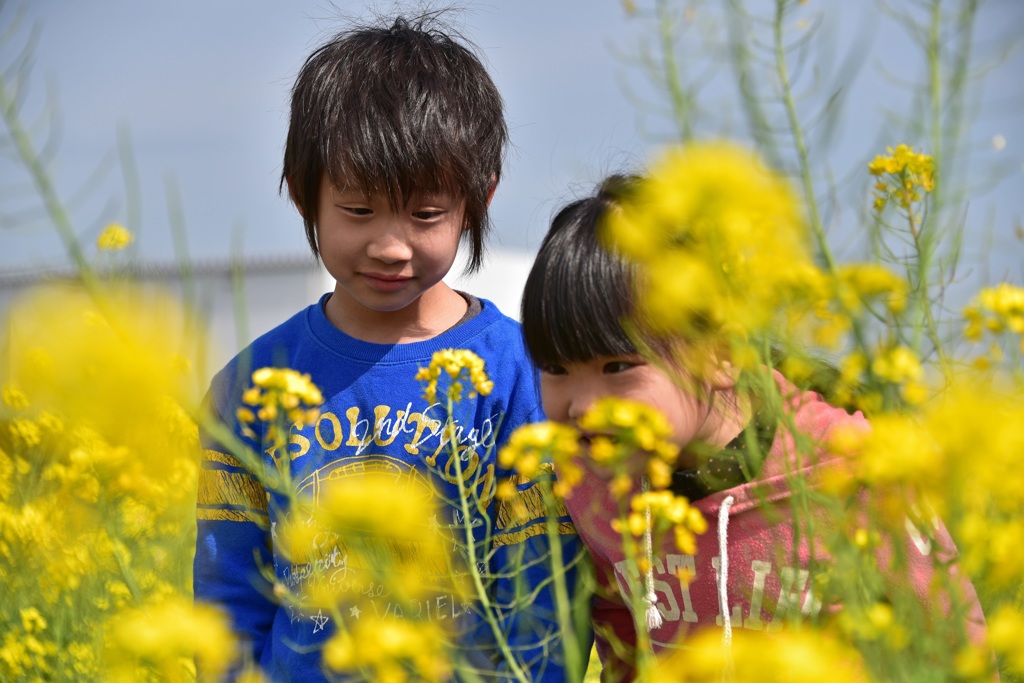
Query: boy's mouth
[386,283]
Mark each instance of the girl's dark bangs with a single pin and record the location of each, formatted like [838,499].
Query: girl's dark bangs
[573,310]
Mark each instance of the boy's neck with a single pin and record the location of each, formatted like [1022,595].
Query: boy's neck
[435,311]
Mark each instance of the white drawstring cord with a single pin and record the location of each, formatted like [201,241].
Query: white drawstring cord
[723,578]
[654,619]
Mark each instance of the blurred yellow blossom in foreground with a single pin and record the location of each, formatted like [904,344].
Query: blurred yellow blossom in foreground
[98,469]
[720,241]
[795,656]
[167,636]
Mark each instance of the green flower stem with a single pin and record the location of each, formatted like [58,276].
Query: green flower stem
[52,203]
[925,248]
[570,643]
[481,591]
[935,84]
[123,562]
[798,139]
[681,104]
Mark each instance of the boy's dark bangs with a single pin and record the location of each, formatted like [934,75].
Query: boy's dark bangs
[412,112]
[574,308]
[374,165]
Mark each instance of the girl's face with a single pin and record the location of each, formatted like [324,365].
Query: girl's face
[569,390]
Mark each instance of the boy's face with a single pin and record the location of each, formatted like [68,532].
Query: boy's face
[568,390]
[382,260]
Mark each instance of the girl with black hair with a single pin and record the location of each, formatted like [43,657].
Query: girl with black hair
[738,455]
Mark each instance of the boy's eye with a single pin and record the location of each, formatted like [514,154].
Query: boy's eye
[426,214]
[616,366]
[357,210]
[553,369]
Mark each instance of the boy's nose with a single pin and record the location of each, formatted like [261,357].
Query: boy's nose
[389,246]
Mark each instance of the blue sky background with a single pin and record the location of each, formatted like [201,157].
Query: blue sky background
[202,88]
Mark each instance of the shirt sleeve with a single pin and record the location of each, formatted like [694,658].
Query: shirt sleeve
[233,541]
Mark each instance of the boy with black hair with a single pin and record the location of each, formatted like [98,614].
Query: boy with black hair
[394,150]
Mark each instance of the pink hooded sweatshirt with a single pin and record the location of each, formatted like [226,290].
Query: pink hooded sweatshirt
[745,560]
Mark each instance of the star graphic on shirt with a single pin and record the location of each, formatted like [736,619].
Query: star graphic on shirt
[355,611]
[319,621]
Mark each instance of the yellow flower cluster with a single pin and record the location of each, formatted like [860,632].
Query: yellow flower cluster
[390,651]
[385,521]
[667,511]
[997,310]
[98,470]
[457,364]
[835,302]
[114,238]
[1003,637]
[281,392]
[166,637]
[903,175]
[789,656]
[534,444]
[629,437]
[719,239]
[958,459]
[860,284]
[901,366]
[114,360]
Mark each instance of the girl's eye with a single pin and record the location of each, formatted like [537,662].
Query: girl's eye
[552,369]
[616,366]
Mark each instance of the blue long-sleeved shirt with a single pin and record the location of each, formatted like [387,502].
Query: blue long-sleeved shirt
[374,416]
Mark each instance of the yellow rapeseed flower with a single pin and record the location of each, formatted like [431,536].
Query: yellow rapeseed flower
[108,359]
[385,522]
[392,650]
[15,398]
[280,391]
[901,366]
[903,175]
[719,238]
[667,511]
[532,444]
[628,434]
[165,633]
[996,310]
[456,364]
[114,238]
[32,621]
[859,283]
[790,656]
[1004,630]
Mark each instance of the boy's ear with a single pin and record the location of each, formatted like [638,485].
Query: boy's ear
[291,195]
